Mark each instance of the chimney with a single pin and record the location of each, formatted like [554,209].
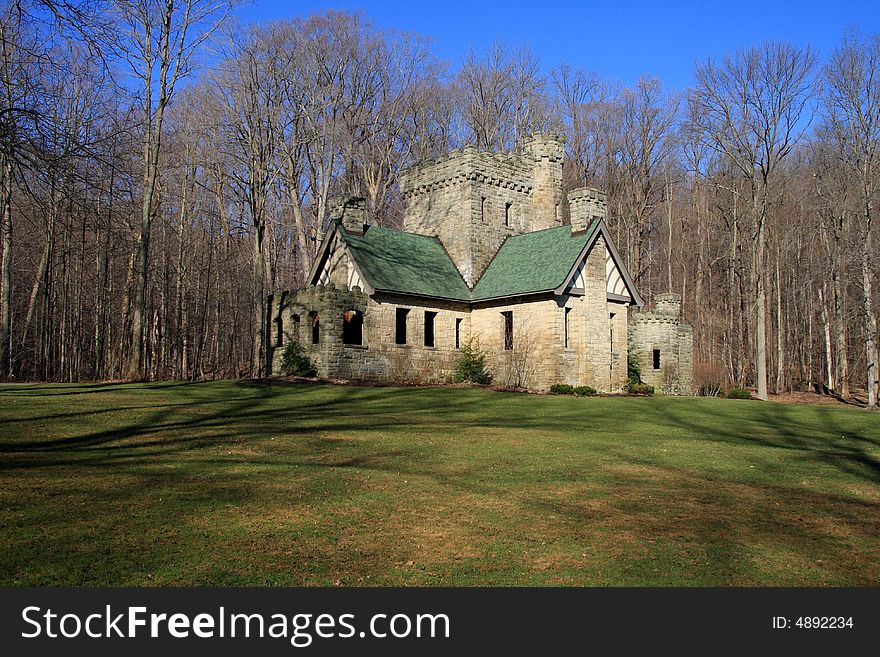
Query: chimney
[351,213]
[585,205]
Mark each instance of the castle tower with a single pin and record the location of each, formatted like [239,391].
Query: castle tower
[547,152]
[668,304]
[474,200]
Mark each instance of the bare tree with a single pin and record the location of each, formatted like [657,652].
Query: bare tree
[159,40]
[251,103]
[852,105]
[583,104]
[386,137]
[501,97]
[752,107]
[831,185]
[646,143]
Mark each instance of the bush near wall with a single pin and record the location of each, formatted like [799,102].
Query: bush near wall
[641,389]
[294,361]
[471,365]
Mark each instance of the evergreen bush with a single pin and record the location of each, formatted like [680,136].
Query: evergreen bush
[294,361]
[739,393]
[471,364]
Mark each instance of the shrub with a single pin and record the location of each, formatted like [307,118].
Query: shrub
[739,393]
[642,389]
[633,374]
[294,361]
[585,391]
[561,389]
[471,364]
[711,390]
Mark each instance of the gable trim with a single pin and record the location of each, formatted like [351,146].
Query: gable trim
[602,230]
[324,256]
[323,252]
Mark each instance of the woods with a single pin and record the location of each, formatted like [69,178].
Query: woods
[164,169]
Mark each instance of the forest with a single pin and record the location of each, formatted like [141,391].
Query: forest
[164,168]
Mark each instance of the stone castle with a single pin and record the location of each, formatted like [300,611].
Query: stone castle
[483,256]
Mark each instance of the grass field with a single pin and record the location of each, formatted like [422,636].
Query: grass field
[244,483]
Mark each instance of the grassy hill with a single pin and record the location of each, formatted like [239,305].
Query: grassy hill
[246,483]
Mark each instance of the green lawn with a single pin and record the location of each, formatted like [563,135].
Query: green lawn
[244,483]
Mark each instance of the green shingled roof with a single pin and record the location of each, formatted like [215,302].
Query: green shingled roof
[408,263]
[533,262]
[395,261]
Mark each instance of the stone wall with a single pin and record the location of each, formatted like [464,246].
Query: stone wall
[662,330]
[377,358]
[533,360]
[538,359]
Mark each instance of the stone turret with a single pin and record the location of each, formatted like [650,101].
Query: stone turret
[663,347]
[668,304]
[585,204]
[547,152]
[351,213]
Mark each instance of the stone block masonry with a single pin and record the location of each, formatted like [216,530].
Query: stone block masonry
[663,346]
[378,357]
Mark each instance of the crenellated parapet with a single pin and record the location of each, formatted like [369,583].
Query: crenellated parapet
[464,165]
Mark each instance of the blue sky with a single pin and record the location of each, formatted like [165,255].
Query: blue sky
[620,40]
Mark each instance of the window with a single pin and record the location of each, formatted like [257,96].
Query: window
[458,333]
[656,359]
[279,326]
[508,330]
[430,316]
[352,327]
[507,214]
[400,326]
[482,208]
[567,313]
[316,326]
[296,328]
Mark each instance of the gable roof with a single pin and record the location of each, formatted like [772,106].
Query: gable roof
[533,262]
[406,263]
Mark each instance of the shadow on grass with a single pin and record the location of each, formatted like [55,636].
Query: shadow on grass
[257,446]
[813,431]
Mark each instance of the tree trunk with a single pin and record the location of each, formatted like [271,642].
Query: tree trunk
[826,327]
[869,318]
[780,328]
[257,354]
